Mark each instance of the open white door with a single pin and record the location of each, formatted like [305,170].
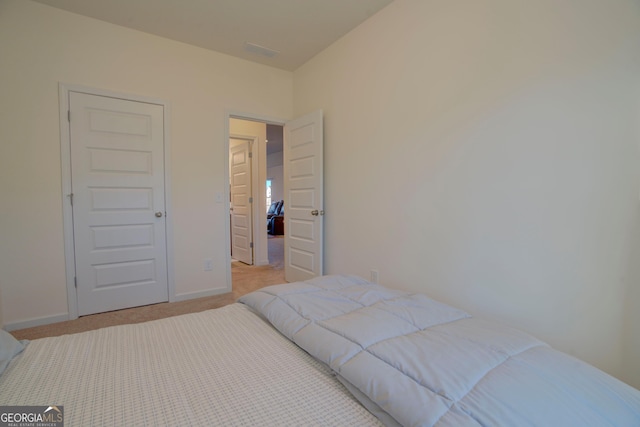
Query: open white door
[241,199]
[303,189]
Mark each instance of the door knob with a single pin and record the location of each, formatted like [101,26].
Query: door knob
[316,212]
[159,214]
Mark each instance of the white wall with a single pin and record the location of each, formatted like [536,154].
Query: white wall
[631,337]
[41,46]
[486,152]
[275,172]
[1,323]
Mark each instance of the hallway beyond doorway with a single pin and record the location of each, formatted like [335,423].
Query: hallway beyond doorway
[243,275]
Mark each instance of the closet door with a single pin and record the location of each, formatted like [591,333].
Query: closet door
[118,198]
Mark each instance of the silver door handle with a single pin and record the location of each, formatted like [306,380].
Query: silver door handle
[159,214]
[316,212]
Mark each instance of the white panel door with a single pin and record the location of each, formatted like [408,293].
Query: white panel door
[117,179]
[241,217]
[303,172]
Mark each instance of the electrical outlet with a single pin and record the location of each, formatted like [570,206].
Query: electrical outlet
[208,264]
[374,276]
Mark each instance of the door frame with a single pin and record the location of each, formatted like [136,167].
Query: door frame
[67,212]
[259,190]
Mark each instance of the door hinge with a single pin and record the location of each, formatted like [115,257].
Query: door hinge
[251,245]
[71,198]
[250,154]
[75,282]
[250,199]
[69,115]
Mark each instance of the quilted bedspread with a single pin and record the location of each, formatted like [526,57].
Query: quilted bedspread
[416,362]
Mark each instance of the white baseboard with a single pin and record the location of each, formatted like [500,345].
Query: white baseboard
[39,321]
[199,294]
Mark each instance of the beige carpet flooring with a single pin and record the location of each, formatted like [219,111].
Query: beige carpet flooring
[245,279]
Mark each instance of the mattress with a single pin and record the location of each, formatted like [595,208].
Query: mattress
[219,367]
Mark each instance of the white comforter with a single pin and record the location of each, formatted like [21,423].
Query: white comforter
[424,363]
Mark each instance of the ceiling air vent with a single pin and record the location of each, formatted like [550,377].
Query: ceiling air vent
[261,50]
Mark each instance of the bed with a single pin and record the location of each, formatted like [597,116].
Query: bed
[332,351]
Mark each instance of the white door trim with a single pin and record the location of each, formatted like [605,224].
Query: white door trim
[67,214]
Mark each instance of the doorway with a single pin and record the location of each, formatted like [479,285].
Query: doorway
[302,158]
[254,185]
[275,195]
